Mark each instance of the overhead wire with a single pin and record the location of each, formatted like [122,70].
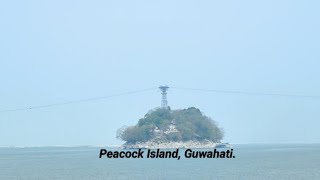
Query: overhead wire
[246,92]
[77,101]
[149,89]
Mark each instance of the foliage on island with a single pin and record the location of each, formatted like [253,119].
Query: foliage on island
[190,123]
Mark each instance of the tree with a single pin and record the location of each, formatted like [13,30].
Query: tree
[190,123]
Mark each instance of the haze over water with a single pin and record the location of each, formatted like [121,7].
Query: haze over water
[61,51]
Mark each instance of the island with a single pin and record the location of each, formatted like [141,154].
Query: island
[166,128]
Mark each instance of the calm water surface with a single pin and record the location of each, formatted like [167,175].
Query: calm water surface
[280,161]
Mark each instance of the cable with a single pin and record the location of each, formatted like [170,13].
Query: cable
[143,90]
[77,101]
[248,93]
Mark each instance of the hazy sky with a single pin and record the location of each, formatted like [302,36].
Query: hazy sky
[57,51]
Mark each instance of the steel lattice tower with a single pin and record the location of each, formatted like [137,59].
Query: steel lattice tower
[164,101]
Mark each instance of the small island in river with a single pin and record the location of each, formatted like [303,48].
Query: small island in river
[166,128]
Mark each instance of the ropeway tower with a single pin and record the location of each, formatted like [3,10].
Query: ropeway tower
[164,101]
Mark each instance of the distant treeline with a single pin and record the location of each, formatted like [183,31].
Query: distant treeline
[190,123]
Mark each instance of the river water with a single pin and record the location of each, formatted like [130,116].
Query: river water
[270,161]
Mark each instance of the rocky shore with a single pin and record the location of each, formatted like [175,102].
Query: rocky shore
[174,144]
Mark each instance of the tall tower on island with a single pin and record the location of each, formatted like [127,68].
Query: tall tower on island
[164,101]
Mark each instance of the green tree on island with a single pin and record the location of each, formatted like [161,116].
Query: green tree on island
[172,125]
